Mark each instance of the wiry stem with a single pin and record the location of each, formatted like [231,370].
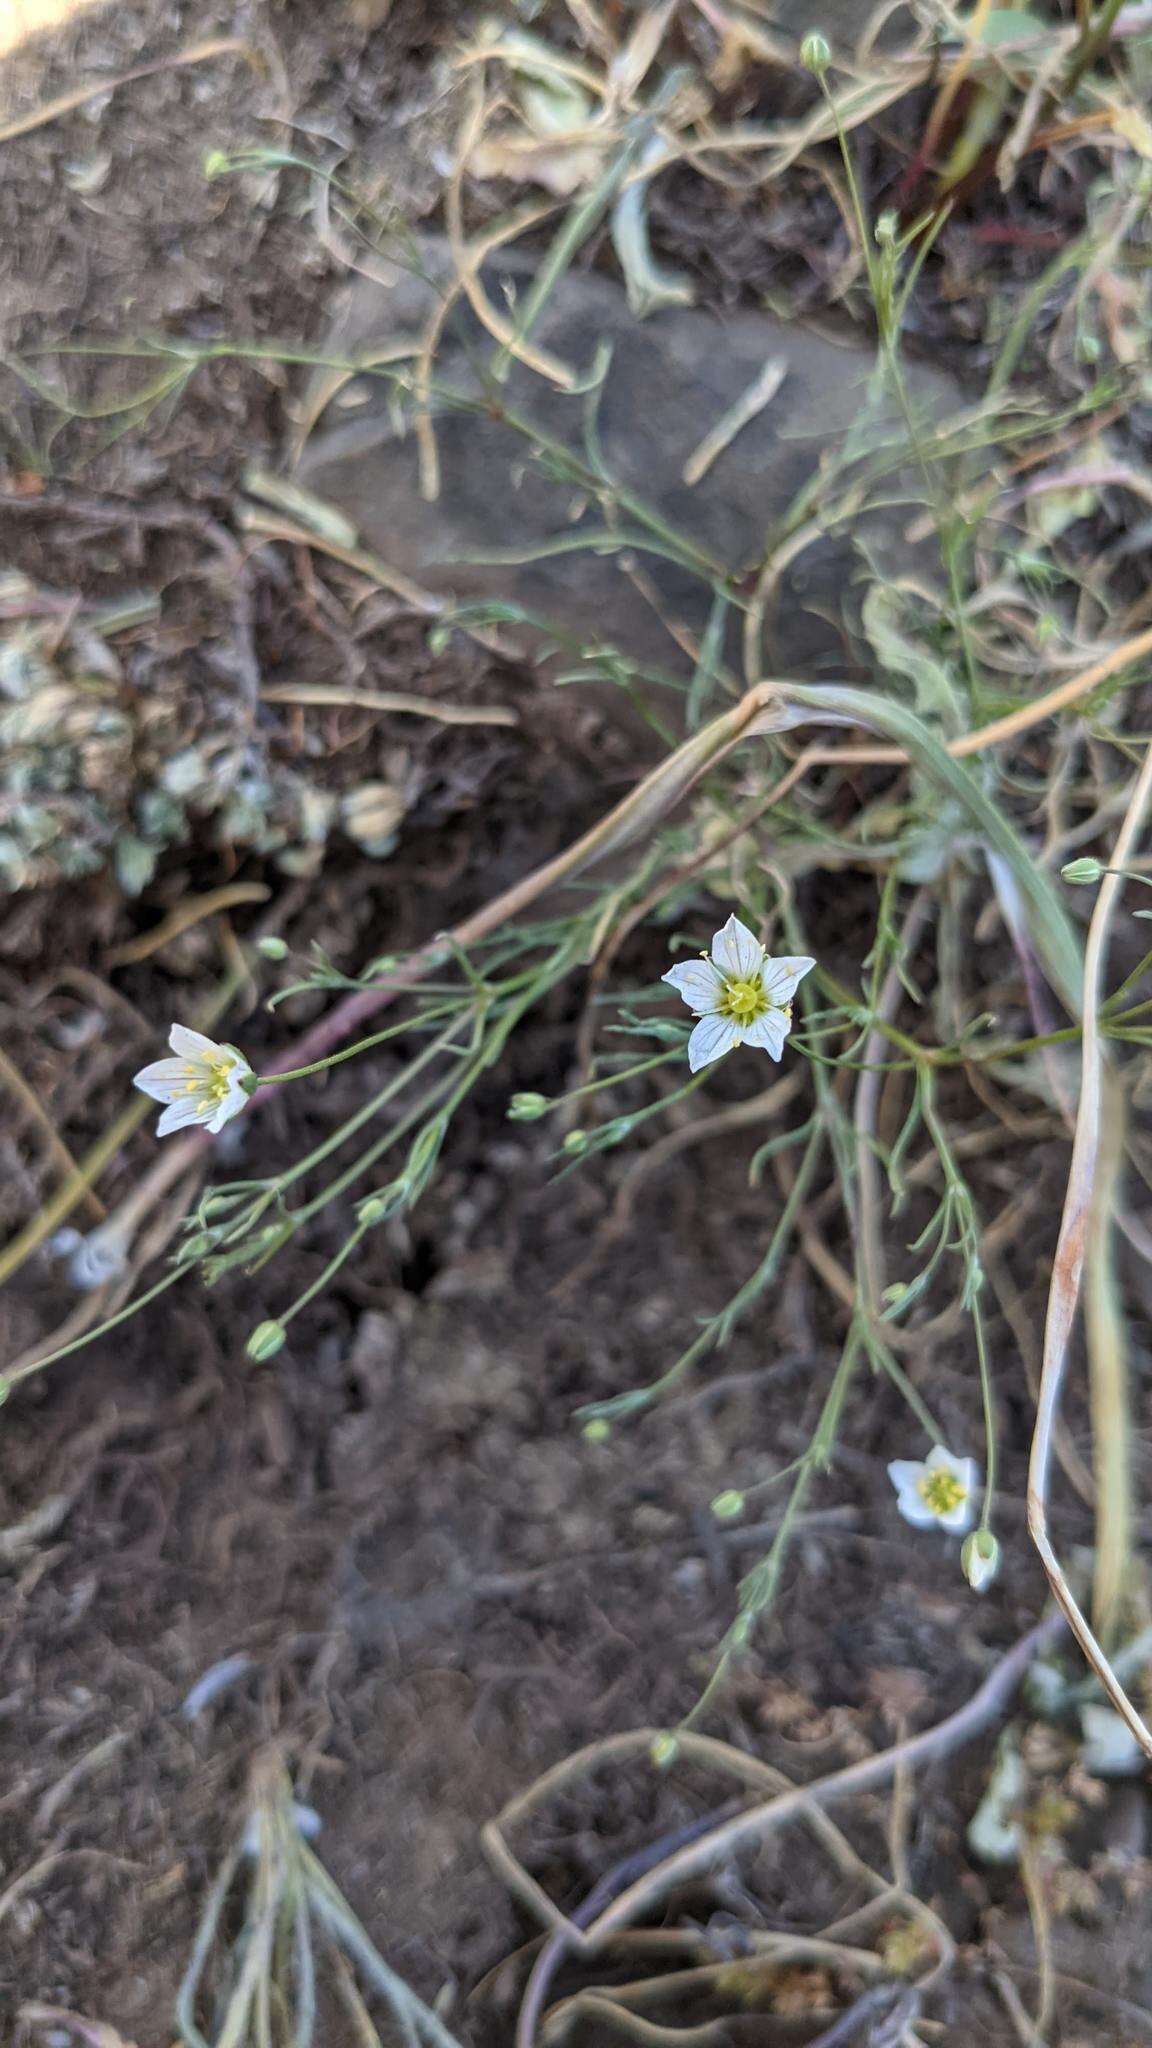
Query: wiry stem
[1068,1264]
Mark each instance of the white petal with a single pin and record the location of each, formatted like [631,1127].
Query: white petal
[965,1470]
[781,978]
[915,1509]
[737,951]
[906,1474]
[712,1038]
[769,1032]
[699,984]
[960,1518]
[233,1102]
[179,1114]
[190,1044]
[162,1079]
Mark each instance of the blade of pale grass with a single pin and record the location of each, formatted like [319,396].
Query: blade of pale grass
[1106,1338]
[1068,1264]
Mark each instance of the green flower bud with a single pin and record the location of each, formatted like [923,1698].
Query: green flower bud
[576,1142]
[887,228]
[524,1109]
[266,1340]
[271,948]
[597,1431]
[664,1750]
[815,53]
[727,1506]
[980,1559]
[1085,870]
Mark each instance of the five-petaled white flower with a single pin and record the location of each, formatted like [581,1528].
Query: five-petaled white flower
[942,1490]
[203,1084]
[741,995]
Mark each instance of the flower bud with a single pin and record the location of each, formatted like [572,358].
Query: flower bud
[980,1559]
[727,1506]
[266,1340]
[887,228]
[664,1750]
[272,948]
[815,53]
[374,1209]
[1087,869]
[576,1142]
[597,1431]
[524,1109]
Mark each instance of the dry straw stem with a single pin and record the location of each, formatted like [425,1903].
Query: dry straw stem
[1106,1339]
[768,708]
[199,53]
[1068,1265]
[335,694]
[12,1080]
[757,1822]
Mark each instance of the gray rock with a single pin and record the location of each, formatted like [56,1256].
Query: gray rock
[670,381]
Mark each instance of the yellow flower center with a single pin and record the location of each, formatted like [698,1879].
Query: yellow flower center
[210,1078]
[941,1491]
[744,999]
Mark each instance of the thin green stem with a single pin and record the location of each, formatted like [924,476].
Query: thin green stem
[991,1452]
[23,1372]
[351,1052]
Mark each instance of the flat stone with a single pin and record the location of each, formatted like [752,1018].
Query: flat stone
[670,381]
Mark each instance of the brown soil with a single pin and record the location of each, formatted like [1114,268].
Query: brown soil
[441,1587]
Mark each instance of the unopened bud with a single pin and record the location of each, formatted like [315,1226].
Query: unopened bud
[815,53]
[271,948]
[597,1431]
[576,1142]
[1087,869]
[980,1559]
[374,1209]
[663,1751]
[266,1340]
[524,1109]
[887,228]
[727,1506]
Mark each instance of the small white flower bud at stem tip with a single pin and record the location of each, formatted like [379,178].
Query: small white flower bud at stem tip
[266,1340]
[1084,870]
[980,1559]
[727,1506]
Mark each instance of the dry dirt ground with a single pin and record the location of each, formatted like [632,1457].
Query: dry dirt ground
[439,1586]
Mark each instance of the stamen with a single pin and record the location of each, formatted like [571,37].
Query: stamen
[941,1491]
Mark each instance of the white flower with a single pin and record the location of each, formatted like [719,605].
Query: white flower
[203,1084]
[741,996]
[943,1490]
